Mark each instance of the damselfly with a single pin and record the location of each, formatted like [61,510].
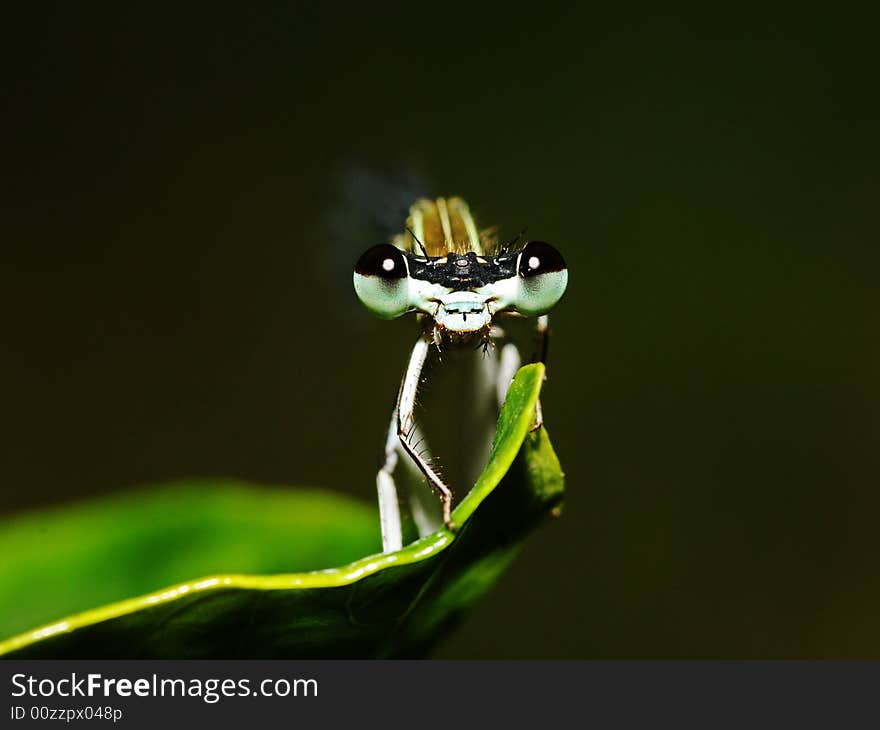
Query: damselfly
[460,284]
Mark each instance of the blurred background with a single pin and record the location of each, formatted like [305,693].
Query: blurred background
[182,199]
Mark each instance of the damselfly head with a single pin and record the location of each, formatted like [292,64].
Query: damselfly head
[463,289]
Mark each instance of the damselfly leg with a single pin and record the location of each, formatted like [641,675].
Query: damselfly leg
[405,434]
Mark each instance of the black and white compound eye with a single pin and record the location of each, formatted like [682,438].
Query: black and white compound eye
[543,277]
[381,281]
[540,258]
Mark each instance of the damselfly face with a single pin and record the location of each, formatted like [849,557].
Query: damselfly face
[439,268]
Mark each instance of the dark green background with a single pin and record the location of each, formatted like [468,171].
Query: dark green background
[174,302]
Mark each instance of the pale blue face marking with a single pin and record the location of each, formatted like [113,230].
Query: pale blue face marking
[463,311]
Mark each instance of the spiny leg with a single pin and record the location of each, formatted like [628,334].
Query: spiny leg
[386,487]
[422,505]
[405,437]
[389,502]
[406,403]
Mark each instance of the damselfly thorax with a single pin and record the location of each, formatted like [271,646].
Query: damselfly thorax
[461,284]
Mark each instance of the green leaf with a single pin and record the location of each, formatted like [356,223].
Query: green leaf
[240,538]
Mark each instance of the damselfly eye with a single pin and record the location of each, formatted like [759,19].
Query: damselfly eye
[381,281]
[539,258]
[543,277]
[383,260]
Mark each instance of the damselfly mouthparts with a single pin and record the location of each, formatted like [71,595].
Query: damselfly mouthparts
[459,282]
